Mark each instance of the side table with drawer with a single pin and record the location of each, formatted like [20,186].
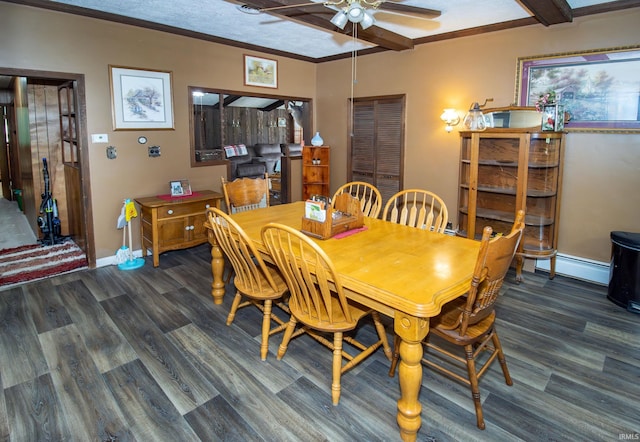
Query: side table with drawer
[174,223]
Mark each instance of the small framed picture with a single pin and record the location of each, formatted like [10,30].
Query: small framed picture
[180,188]
[261,72]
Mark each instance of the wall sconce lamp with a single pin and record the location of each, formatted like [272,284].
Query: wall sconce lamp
[450,118]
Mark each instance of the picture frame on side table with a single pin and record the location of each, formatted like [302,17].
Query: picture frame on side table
[180,188]
[262,72]
[141,99]
[598,88]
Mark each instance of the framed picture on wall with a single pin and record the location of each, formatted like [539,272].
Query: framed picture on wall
[140,99]
[598,88]
[261,72]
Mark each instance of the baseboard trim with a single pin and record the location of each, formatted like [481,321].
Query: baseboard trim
[579,268]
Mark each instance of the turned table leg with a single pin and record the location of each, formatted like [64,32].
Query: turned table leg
[217,269]
[412,331]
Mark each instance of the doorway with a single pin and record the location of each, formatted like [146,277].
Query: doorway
[31,102]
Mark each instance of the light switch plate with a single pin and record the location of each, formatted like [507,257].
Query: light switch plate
[99,138]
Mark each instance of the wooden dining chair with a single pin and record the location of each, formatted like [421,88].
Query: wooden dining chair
[318,302]
[368,195]
[256,282]
[417,208]
[243,194]
[469,321]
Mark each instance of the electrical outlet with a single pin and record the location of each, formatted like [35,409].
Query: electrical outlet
[99,138]
[111,153]
[154,151]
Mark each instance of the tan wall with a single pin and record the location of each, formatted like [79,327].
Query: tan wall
[51,41]
[602,171]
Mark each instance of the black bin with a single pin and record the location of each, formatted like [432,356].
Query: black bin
[624,273]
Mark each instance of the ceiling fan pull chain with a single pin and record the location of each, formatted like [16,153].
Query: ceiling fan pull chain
[354,57]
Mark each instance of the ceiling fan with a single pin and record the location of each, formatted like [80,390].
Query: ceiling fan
[352,12]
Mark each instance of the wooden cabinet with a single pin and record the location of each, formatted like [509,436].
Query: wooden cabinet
[503,171]
[174,223]
[315,171]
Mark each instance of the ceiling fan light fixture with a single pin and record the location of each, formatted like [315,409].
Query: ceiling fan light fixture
[340,19]
[367,20]
[356,12]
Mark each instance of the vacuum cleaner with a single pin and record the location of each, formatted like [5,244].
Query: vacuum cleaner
[48,220]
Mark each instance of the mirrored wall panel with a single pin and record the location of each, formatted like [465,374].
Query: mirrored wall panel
[226,118]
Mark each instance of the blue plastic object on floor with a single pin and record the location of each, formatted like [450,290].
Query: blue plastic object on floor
[131,264]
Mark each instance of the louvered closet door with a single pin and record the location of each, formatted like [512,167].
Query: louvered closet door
[377,146]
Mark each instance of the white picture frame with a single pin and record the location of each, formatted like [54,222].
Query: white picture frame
[141,99]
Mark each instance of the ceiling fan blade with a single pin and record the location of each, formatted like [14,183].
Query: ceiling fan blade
[409,10]
[249,9]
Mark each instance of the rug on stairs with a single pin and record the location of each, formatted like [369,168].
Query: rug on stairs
[31,262]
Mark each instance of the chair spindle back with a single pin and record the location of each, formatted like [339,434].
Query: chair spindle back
[251,272]
[316,293]
[417,208]
[368,195]
[492,265]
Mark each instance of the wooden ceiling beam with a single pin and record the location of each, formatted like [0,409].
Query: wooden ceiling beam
[549,12]
[409,10]
[320,16]
[275,105]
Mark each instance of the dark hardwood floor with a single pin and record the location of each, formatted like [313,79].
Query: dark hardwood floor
[110,355]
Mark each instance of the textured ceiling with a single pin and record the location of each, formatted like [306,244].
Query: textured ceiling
[222,19]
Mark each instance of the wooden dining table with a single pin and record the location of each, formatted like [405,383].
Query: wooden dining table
[403,272]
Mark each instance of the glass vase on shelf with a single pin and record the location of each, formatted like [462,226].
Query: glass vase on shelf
[474,120]
[552,117]
[317,140]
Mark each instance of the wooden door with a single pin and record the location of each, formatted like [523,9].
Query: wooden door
[376,149]
[5,169]
[67,105]
[173,232]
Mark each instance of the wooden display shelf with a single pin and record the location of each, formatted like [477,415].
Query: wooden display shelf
[503,171]
[315,171]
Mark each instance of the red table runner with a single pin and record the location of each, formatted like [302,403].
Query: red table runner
[168,197]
